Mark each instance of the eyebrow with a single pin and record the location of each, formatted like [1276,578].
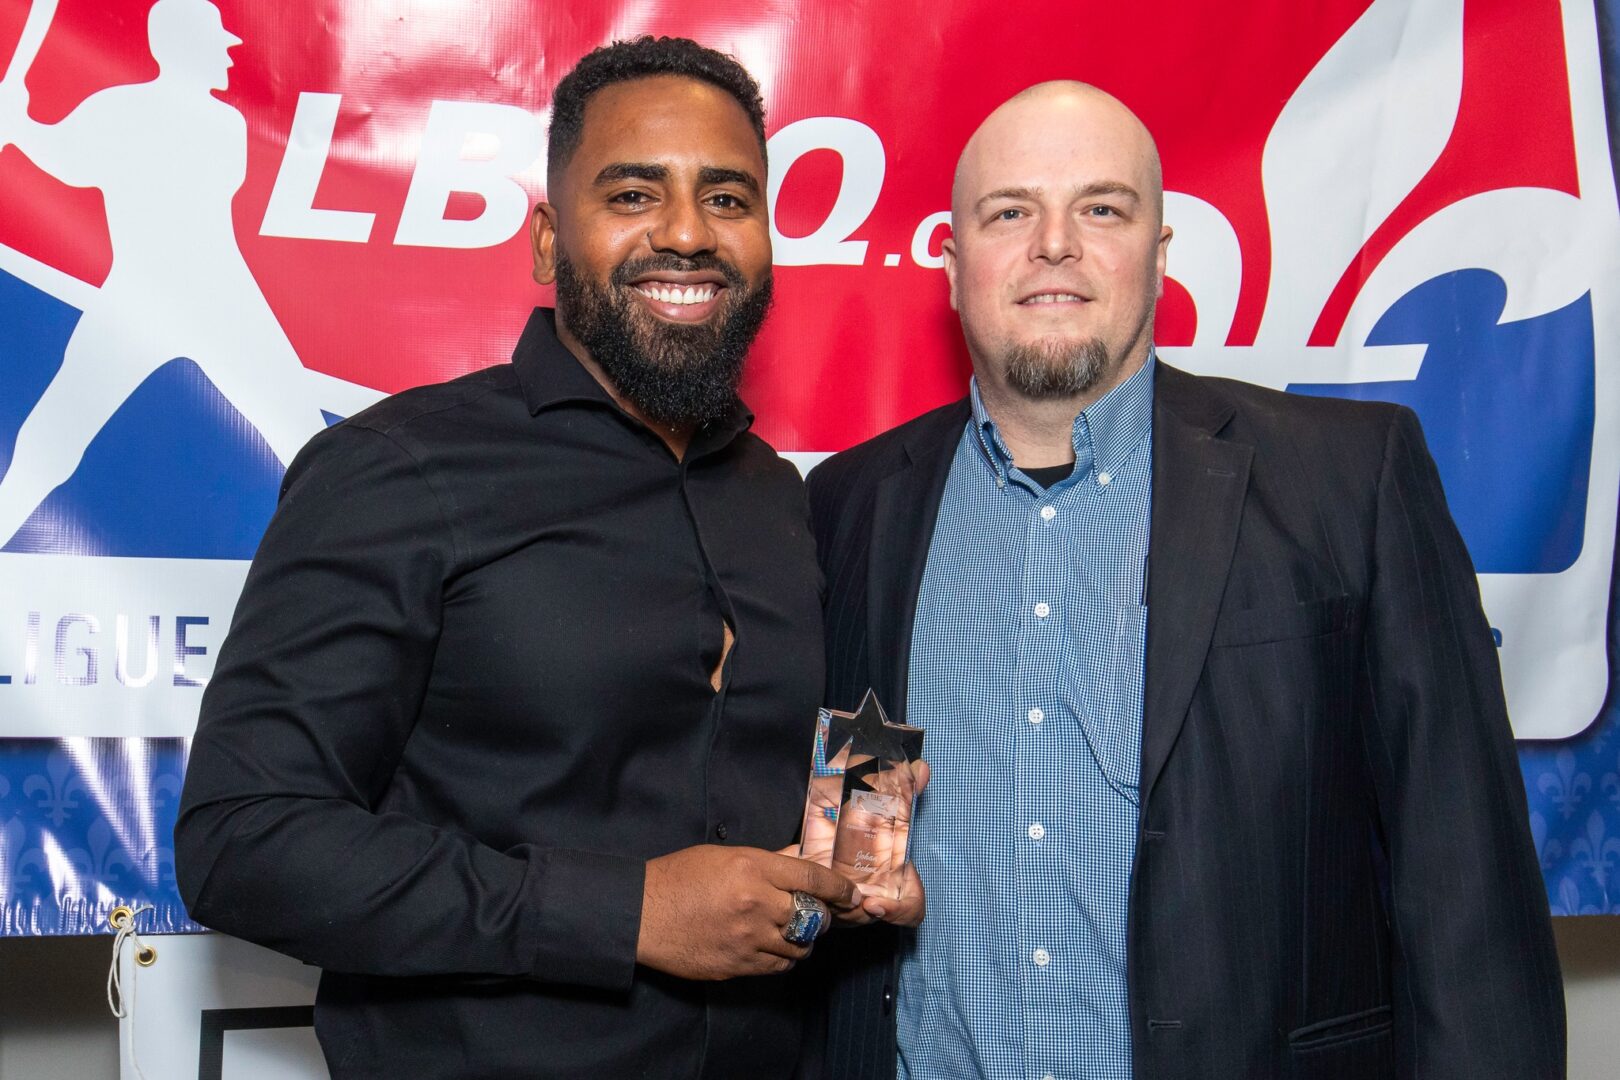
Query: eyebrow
[644,170]
[713,174]
[631,170]
[1085,191]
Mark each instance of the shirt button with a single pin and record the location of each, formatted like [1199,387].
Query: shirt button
[1041,957]
[1042,610]
[721,831]
[1048,1076]
[1047,513]
[1036,715]
[1104,479]
[1036,831]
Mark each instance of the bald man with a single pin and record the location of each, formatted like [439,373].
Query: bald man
[1223,782]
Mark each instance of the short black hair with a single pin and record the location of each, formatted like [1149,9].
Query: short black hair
[642,58]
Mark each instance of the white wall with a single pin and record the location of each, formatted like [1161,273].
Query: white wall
[54,1023]
[1589,949]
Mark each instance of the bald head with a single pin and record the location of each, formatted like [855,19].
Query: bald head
[1036,119]
[1057,250]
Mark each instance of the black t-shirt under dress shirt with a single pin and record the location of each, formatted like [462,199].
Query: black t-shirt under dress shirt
[466,695]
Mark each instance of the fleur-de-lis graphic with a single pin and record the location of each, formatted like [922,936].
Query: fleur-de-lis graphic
[1549,852]
[56,789]
[1394,81]
[1597,853]
[1611,787]
[1567,900]
[1365,91]
[1566,787]
[104,857]
[165,786]
[1345,316]
[30,860]
[1598,741]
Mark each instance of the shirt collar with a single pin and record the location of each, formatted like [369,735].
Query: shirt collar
[550,375]
[1104,433]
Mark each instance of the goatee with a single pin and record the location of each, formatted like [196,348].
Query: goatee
[1057,370]
[675,374]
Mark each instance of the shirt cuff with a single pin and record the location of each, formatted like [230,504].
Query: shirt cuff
[589,918]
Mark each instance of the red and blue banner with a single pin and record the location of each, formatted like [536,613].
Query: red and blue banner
[226,225]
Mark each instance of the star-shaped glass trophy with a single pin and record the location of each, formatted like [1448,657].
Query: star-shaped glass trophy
[857,813]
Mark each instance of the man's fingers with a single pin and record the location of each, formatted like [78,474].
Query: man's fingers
[907,911]
[777,945]
[855,916]
[790,874]
[902,905]
[920,772]
[771,940]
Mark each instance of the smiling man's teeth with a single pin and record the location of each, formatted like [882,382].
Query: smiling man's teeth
[1052,298]
[676,294]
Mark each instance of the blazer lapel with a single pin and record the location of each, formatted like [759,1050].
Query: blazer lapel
[1199,483]
[903,515]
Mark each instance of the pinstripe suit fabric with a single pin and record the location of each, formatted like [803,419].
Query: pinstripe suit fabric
[1334,878]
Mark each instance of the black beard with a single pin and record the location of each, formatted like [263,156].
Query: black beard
[1044,372]
[676,375]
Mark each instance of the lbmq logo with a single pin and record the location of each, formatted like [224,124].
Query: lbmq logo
[144,423]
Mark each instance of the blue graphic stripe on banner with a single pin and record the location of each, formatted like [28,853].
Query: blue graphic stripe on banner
[1574,789]
[86,825]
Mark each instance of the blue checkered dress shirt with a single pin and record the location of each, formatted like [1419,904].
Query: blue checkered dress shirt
[1026,670]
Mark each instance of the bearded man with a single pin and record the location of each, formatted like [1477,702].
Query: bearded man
[1223,784]
[516,704]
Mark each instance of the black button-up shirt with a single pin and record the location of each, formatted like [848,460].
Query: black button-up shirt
[466,695]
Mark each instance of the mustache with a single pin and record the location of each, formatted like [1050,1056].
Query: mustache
[626,272]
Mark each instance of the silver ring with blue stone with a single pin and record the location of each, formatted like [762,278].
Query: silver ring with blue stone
[810,918]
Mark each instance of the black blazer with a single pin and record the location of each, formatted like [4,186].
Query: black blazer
[1334,876]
